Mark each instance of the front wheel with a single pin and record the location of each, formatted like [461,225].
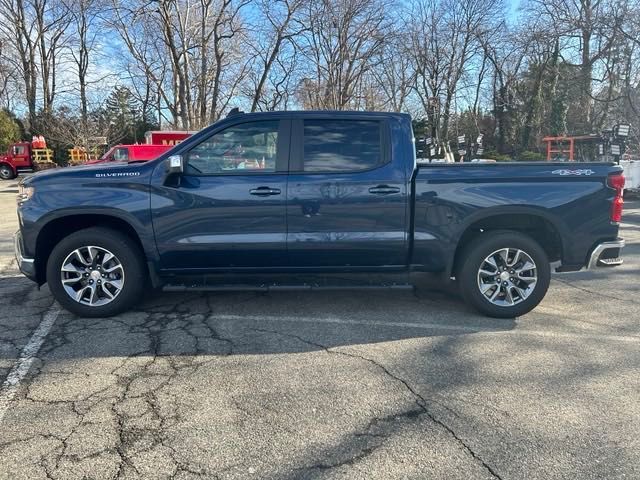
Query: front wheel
[96,272]
[504,274]
[6,173]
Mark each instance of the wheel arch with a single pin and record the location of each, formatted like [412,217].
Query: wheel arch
[538,225]
[58,228]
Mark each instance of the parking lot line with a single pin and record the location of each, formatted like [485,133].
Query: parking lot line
[27,356]
[494,330]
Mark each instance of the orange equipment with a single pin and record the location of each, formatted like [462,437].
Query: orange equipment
[566,145]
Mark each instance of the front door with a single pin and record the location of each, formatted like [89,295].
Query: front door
[21,156]
[229,209]
[347,200]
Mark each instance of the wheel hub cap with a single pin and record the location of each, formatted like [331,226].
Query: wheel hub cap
[507,277]
[92,276]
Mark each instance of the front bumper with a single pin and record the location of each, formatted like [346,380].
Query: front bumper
[606,254]
[26,265]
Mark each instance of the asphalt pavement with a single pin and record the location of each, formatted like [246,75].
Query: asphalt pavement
[319,385]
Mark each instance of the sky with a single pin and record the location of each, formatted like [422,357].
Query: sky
[513,10]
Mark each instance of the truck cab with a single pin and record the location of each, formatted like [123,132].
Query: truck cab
[22,157]
[15,160]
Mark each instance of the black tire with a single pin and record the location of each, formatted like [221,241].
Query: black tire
[127,252]
[6,173]
[474,256]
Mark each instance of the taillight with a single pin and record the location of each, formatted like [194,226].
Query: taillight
[617,182]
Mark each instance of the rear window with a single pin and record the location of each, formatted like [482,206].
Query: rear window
[342,145]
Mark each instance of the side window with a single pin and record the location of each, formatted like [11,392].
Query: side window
[244,148]
[342,145]
[121,155]
[20,150]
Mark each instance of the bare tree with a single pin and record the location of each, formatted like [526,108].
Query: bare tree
[84,22]
[192,51]
[394,74]
[587,31]
[51,20]
[444,44]
[342,46]
[274,50]
[17,27]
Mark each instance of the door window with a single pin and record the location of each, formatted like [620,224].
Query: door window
[19,150]
[121,155]
[342,145]
[245,148]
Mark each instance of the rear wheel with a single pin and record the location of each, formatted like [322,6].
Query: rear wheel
[6,172]
[504,274]
[96,272]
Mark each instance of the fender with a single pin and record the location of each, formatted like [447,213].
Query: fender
[512,210]
[502,210]
[144,233]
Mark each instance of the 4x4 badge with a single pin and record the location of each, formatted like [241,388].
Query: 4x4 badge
[581,171]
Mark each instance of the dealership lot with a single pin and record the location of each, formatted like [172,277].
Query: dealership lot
[323,385]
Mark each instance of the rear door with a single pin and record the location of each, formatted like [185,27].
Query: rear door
[229,209]
[347,200]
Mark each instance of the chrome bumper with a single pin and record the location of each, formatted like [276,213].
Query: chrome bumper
[26,265]
[611,258]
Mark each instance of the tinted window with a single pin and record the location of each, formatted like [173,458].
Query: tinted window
[341,145]
[248,147]
[20,150]
[121,155]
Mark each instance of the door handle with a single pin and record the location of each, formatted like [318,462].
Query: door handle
[264,191]
[384,190]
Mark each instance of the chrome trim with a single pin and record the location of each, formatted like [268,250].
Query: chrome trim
[600,249]
[25,264]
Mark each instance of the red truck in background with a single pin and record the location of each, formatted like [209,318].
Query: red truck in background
[22,157]
[131,153]
[26,157]
[157,143]
[167,137]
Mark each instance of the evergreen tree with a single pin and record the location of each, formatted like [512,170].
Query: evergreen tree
[9,130]
[121,113]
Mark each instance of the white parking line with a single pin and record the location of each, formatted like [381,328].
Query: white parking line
[434,326]
[27,356]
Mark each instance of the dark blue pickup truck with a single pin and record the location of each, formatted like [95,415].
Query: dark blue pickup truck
[313,200]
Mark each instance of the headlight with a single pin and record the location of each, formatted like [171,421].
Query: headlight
[24,194]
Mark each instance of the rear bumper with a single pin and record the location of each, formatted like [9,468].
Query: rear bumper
[606,254]
[26,265]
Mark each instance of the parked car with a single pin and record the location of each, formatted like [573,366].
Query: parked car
[281,199]
[131,153]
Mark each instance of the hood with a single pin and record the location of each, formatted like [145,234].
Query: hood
[100,171]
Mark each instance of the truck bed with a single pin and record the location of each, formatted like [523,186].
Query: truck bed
[567,200]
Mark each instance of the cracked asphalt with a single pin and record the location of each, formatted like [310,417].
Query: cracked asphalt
[319,385]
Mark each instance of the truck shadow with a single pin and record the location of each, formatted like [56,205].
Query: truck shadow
[168,324]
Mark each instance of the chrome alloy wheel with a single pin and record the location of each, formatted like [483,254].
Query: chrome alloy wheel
[92,276]
[507,277]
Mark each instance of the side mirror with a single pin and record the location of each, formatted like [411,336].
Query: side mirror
[175,164]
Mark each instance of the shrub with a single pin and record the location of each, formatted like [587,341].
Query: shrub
[528,156]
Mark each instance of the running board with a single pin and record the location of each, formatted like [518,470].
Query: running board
[280,288]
